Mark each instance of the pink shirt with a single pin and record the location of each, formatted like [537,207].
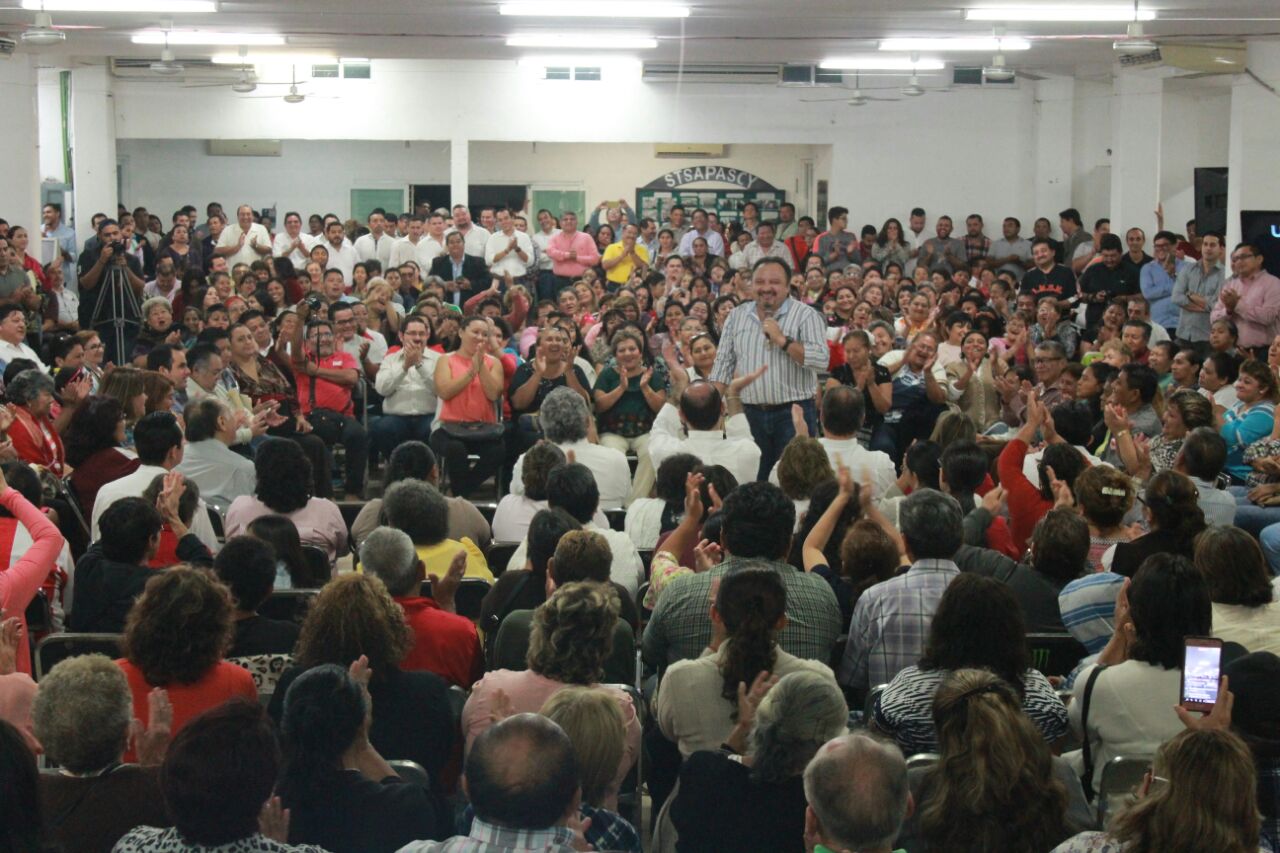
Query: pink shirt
[528,692]
[558,248]
[470,404]
[319,523]
[21,577]
[1257,314]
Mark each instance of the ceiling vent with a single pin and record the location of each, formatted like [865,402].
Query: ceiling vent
[139,68]
[683,149]
[809,75]
[670,72]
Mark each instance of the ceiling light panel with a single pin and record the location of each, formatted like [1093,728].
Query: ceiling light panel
[164,7]
[208,37]
[982,44]
[587,41]
[592,9]
[881,63]
[1070,14]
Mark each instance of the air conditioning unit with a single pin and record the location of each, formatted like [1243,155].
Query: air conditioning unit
[139,68]
[7,47]
[689,149]
[670,72]
[245,147]
[809,75]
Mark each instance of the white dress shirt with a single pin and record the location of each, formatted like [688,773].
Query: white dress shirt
[377,345]
[10,352]
[371,248]
[132,486]
[422,253]
[612,473]
[734,448]
[754,252]
[407,392]
[510,263]
[715,243]
[282,247]
[217,469]
[540,239]
[626,570]
[856,458]
[644,521]
[342,258]
[246,255]
[511,518]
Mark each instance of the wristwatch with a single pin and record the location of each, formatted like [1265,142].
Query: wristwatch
[786,344]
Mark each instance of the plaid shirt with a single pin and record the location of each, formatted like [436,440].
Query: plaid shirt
[976,247]
[608,830]
[891,623]
[680,627]
[487,838]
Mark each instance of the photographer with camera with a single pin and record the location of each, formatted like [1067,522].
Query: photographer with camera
[111,283]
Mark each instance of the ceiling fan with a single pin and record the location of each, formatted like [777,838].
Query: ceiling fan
[167,65]
[856,97]
[42,32]
[293,96]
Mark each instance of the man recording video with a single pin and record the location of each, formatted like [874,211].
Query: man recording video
[110,284]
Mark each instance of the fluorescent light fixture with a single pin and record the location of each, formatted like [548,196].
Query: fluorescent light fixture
[353,59]
[587,41]
[272,59]
[881,63]
[593,9]
[1072,14]
[209,37]
[164,7]
[981,44]
[578,61]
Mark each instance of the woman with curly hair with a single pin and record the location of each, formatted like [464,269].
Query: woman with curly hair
[978,625]
[1104,496]
[803,465]
[1198,795]
[93,443]
[354,617]
[698,700]
[996,785]
[571,639]
[174,638]
[284,488]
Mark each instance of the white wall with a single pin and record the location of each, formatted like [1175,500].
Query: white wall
[49,103]
[19,181]
[1196,127]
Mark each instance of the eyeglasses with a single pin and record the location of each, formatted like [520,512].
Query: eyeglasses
[324,336]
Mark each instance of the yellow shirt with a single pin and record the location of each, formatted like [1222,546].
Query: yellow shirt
[438,557]
[621,273]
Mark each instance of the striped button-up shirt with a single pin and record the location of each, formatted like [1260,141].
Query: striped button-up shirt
[491,838]
[891,623]
[744,348]
[1193,280]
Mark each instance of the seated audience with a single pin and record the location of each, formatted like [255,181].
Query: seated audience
[284,487]
[842,414]
[1166,601]
[573,489]
[511,518]
[34,433]
[247,565]
[977,626]
[420,510]
[571,640]
[885,636]
[468,383]
[406,382]
[354,617]
[525,588]
[1172,511]
[1202,458]
[443,642]
[754,799]
[1029,501]
[649,517]
[340,793]
[93,441]
[626,397]
[293,569]
[565,422]
[175,638]
[698,699]
[84,722]
[995,785]
[857,793]
[709,425]
[802,466]
[1198,795]
[208,459]
[523,781]
[217,783]
[414,460]
[758,521]
[1104,495]
[1245,609]
[1059,555]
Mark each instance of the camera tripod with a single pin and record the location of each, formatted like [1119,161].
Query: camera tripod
[117,315]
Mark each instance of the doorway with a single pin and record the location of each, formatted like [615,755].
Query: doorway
[512,196]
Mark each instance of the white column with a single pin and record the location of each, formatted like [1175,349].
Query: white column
[1136,105]
[1253,182]
[93,147]
[20,175]
[459,170]
[1055,109]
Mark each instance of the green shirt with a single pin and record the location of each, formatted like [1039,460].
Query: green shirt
[631,415]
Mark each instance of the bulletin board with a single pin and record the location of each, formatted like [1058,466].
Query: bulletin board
[365,200]
[558,201]
[727,204]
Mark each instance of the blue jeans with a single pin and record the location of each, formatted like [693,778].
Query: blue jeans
[390,431]
[1260,521]
[773,429]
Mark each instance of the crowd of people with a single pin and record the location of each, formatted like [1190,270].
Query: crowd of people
[783,508]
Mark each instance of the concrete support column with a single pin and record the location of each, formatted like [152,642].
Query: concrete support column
[93,147]
[1253,182]
[1055,107]
[20,176]
[1136,107]
[459,170]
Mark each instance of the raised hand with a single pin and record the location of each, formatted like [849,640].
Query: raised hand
[360,671]
[993,500]
[273,821]
[844,479]
[170,496]
[706,555]
[152,743]
[743,381]
[1062,496]
[693,495]
[1219,718]
[10,637]
[1116,418]
[540,365]
[444,590]
[797,420]
[749,697]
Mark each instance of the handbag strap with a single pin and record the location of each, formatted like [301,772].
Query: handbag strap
[1087,779]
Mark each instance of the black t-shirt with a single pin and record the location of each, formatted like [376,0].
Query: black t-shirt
[719,808]
[1135,267]
[524,374]
[351,814]
[1059,281]
[259,635]
[880,375]
[1099,278]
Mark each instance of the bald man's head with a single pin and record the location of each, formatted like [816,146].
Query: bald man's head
[701,406]
[858,795]
[521,774]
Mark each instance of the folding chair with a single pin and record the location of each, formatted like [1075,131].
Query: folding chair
[1055,654]
[499,555]
[290,605]
[411,771]
[470,595]
[55,648]
[922,759]
[1120,778]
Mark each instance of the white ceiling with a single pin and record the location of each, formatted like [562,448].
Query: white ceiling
[718,31]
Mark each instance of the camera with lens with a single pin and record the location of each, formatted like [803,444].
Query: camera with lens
[314,301]
[117,247]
